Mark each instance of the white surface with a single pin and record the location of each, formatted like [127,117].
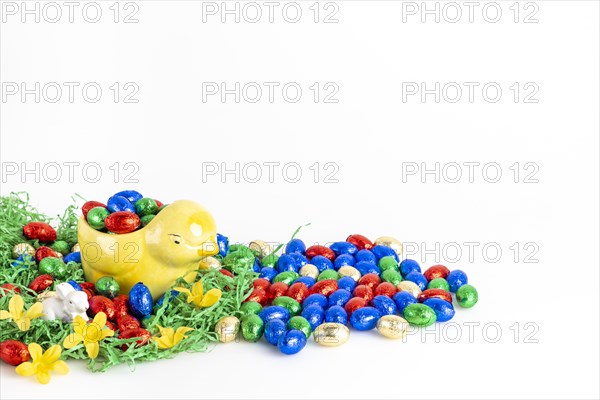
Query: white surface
[368,134]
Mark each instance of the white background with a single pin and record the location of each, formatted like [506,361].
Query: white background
[371,135]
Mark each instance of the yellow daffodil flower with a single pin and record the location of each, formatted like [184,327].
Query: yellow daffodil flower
[15,312]
[169,338]
[198,297]
[90,334]
[42,363]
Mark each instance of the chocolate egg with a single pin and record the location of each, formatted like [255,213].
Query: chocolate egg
[60,246]
[146,206]
[444,311]
[314,314]
[336,314]
[140,301]
[435,293]
[325,287]
[274,330]
[419,314]
[392,327]
[14,352]
[331,334]
[287,277]
[141,333]
[390,242]
[250,307]
[292,342]
[227,329]
[410,287]
[252,327]
[298,291]
[121,303]
[385,305]
[349,271]
[258,295]
[467,296]
[23,248]
[76,248]
[146,219]
[88,205]
[53,266]
[301,324]
[360,241]
[131,195]
[96,216]
[274,312]
[126,322]
[107,286]
[340,248]
[365,318]
[39,231]
[318,250]
[295,246]
[436,271]
[119,203]
[261,248]
[292,305]
[102,304]
[122,222]
[41,283]
[209,263]
[309,270]
[43,252]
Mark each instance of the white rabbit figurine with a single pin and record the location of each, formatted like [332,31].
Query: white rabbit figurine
[66,305]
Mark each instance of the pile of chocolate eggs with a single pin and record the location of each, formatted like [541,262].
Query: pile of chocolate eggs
[324,290]
[124,212]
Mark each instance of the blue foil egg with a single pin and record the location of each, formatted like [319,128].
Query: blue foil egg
[314,314]
[342,260]
[119,203]
[403,299]
[367,267]
[292,342]
[75,285]
[286,263]
[384,305]
[347,283]
[339,298]
[383,251]
[418,278]
[444,311]
[365,256]
[321,262]
[336,314]
[300,259]
[274,312]
[23,261]
[223,243]
[130,195]
[74,256]
[268,273]
[307,280]
[340,248]
[256,266]
[456,279]
[407,266]
[365,318]
[295,246]
[161,299]
[274,330]
[316,298]
[140,301]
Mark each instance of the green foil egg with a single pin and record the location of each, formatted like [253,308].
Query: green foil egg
[250,307]
[439,283]
[290,304]
[287,277]
[467,296]
[108,286]
[53,266]
[61,246]
[146,206]
[388,262]
[270,260]
[96,217]
[419,314]
[328,274]
[146,219]
[392,276]
[252,327]
[301,324]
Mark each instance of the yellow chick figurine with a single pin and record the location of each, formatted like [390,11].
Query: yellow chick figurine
[169,247]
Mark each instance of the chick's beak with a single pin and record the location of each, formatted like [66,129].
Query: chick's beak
[209,248]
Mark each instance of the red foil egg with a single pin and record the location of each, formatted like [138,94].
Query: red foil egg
[43,252]
[141,333]
[87,206]
[121,303]
[259,295]
[276,290]
[298,291]
[324,287]
[360,242]
[9,287]
[364,292]
[385,289]
[125,322]
[436,271]
[14,352]
[41,283]
[354,304]
[122,222]
[110,326]
[104,304]
[370,280]
[159,203]
[439,293]
[261,283]
[226,272]
[89,286]
[318,250]
[39,231]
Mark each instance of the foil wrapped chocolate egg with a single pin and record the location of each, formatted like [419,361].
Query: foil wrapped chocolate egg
[392,327]
[14,352]
[39,231]
[309,270]
[292,342]
[41,283]
[122,222]
[23,248]
[140,301]
[410,287]
[419,314]
[227,329]
[261,248]
[102,304]
[349,271]
[252,327]
[209,263]
[107,286]
[331,334]
[390,242]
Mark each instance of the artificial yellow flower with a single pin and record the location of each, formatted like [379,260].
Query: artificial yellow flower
[42,363]
[198,296]
[169,338]
[90,334]
[15,312]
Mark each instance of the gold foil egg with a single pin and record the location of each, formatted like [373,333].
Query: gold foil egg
[309,270]
[410,287]
[23,248]
[227,329]
[331,334]
[352,272]
[392,326]
[263,248]
[209,262]
[46,295]
[75,248]
[391,242]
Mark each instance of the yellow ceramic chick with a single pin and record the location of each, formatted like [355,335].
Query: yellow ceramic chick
[170,246]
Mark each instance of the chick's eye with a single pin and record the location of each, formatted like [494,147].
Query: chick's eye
[176,238]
